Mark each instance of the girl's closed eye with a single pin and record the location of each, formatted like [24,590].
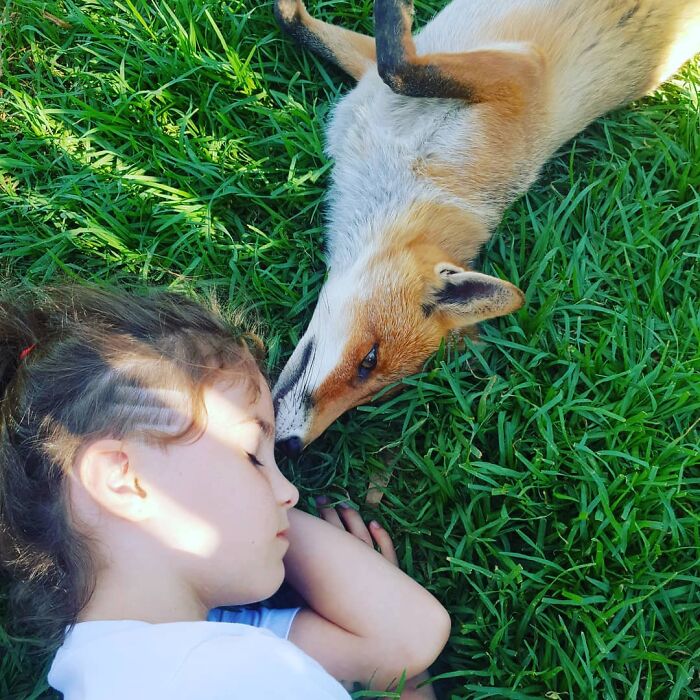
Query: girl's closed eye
[254,460]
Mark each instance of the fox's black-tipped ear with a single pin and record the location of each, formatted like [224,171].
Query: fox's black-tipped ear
[470,297]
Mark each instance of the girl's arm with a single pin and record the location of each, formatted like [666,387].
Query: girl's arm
[367,621]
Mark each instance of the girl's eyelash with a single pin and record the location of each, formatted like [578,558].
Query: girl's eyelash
[254,459]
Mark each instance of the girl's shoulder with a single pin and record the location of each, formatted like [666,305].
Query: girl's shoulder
[207,660]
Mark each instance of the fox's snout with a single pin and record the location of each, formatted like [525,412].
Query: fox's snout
[371,331]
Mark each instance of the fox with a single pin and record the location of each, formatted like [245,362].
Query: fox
[442,131]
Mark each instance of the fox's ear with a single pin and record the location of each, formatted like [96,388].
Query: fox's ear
[470,297]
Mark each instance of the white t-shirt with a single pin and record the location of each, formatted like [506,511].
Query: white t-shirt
[227,660]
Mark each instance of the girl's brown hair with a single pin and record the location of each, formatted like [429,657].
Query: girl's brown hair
[79,364]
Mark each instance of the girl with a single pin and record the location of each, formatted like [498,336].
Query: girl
[139,490]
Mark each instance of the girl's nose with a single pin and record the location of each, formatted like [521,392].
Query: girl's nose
[291,494]
[285,492]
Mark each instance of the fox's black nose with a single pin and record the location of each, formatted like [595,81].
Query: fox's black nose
[291,446]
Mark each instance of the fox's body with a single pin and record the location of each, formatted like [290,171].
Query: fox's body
[594,63]
[419,183]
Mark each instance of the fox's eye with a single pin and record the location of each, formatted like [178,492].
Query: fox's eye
[254,460]
[368,363]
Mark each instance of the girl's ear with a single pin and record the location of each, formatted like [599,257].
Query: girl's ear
[103,470]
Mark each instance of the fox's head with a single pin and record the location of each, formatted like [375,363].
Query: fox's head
[379,318]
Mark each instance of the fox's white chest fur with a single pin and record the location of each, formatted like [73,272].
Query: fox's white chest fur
[377,140]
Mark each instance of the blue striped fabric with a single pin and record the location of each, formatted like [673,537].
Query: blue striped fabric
[277,620]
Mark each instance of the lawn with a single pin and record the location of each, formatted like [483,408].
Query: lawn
[545,482]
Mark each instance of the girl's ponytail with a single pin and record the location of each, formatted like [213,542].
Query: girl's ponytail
[38,548]
[18,338]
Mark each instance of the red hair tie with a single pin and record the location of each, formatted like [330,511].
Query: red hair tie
[26,351]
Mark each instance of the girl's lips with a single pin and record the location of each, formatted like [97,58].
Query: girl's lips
[283,534]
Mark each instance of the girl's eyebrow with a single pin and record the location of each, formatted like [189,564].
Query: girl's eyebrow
[267,428]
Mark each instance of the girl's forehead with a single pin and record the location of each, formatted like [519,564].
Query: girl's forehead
[242,401]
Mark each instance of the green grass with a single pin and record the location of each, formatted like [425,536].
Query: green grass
[545,482]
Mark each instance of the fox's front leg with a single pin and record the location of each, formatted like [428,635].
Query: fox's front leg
[352,52]
[512,74]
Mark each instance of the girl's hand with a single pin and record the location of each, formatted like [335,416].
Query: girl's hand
[366,620]
[345,517]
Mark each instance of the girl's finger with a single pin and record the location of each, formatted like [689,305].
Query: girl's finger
[354,524]
[328,513]
[384,542]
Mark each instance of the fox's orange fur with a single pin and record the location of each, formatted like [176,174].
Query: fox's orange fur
[443,131]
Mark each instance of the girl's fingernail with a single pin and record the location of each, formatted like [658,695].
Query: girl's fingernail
[344,505]
[374,524]
[322,501]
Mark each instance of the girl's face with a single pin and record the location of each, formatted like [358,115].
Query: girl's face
[219,504]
